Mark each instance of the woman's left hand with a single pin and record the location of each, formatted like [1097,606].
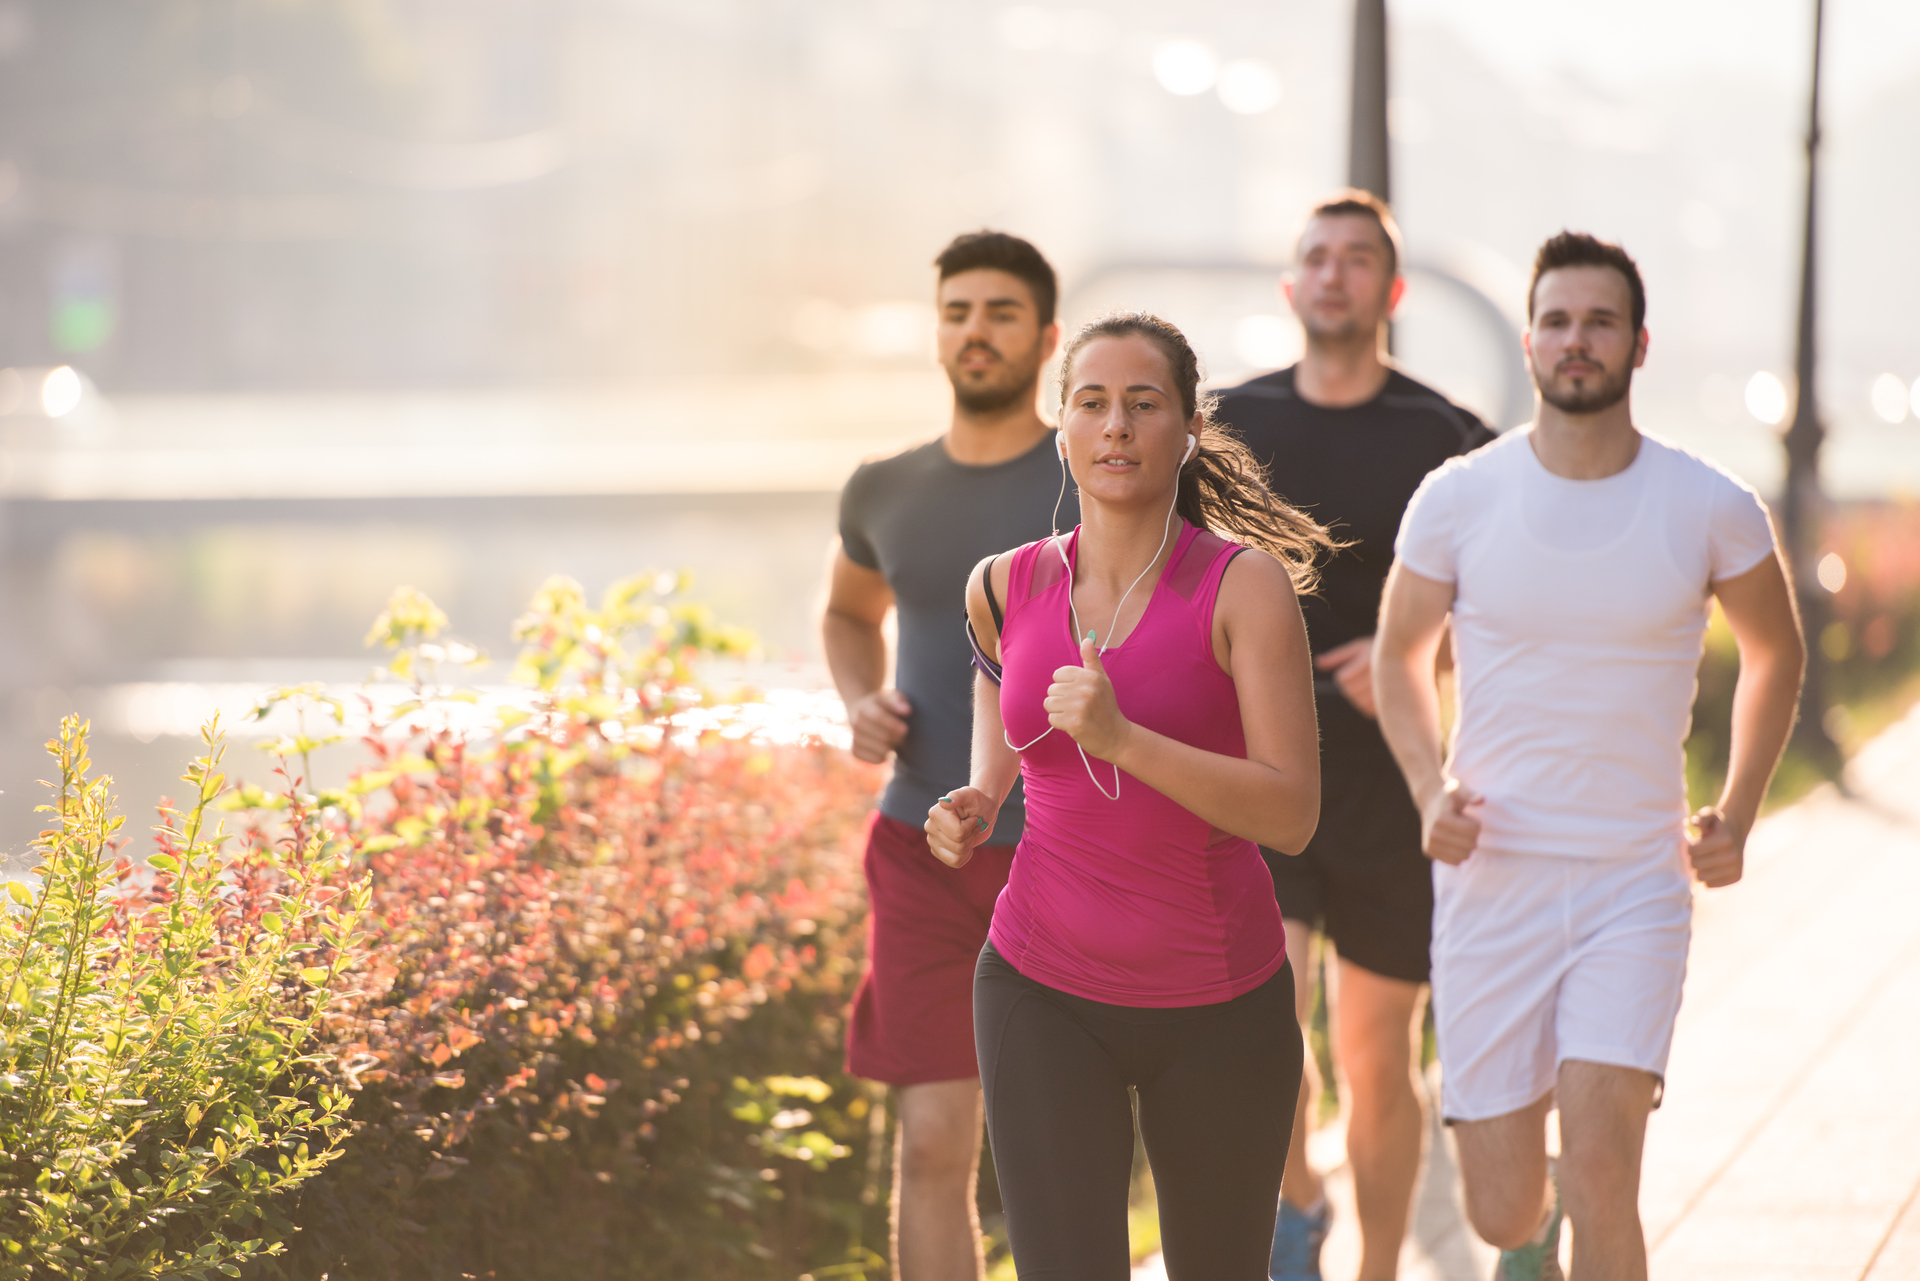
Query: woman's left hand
[1080,702]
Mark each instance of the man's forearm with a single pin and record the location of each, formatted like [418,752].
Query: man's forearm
[1763,703]
[1409,707]
[856,655]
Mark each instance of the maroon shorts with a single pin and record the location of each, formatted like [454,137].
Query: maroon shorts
[913,1014]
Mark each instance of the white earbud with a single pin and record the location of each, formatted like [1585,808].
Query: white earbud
[1060,444]
[1193,443]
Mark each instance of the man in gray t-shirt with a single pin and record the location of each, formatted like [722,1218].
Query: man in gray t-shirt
[912,527]
[922,521]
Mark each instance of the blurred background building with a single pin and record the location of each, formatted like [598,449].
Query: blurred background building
[300,299]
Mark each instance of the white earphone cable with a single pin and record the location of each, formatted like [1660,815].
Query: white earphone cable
[1166,532]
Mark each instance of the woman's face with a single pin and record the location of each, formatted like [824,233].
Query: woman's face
[1124,431]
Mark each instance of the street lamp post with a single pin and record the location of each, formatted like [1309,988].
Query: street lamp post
[1802,500]
[1367,156]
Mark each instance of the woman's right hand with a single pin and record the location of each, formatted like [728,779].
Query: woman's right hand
[958,822]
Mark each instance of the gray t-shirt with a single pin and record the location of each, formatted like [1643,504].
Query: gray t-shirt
[924,521]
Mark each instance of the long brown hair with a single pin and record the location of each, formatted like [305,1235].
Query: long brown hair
[1222,487]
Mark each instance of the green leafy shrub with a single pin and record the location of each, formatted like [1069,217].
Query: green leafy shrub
[153,1026]
[597,1024]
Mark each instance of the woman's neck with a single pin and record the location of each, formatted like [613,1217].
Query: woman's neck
[1116,543]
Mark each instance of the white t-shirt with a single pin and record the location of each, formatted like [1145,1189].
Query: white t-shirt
[1578,619]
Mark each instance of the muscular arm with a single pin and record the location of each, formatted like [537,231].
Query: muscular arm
[858,599]
[1759,607]
[1273,795]
[1413,626]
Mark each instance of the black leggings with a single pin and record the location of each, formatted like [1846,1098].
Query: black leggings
[1216,1086]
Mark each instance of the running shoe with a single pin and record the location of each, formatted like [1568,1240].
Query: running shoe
[1297,1238]
[1536,1260]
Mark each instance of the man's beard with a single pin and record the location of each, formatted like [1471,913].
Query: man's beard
[1610,392]
[1332,331]
[999,395]
[1347,328]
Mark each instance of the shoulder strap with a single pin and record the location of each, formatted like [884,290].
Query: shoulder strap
[1049,564]
[986,581]
[1031,567]
[1208,594]
[1193,558]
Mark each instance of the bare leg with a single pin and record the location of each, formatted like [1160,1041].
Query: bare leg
[1503,1169]
[936,1164]
[1299,1185]
[1376,1030]
[1603,1127]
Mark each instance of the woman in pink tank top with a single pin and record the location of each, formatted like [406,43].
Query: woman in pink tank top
[1154,695]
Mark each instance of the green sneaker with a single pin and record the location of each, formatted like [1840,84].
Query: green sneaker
[1536,1261]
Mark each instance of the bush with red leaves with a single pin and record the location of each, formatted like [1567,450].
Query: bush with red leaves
[595,1030]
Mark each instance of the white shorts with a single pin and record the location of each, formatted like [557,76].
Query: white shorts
[1538,959]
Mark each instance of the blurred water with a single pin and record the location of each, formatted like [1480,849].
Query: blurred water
[145,733]
[162,557]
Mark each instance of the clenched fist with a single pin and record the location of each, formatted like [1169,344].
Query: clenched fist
[1448,833]
[958,822]
[1719,852]
[878,722]
[1080,703]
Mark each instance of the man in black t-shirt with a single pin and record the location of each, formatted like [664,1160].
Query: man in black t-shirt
[912,527]
[1347,438]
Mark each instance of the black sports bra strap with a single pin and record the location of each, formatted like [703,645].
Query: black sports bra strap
[986,581]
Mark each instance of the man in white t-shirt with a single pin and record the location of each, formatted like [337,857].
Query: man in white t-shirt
[1578,559]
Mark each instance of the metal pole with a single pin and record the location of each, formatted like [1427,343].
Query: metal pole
[1802,503]
[1367,155]
[1369,158]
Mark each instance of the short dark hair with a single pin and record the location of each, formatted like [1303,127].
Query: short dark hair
[996,250]
[1578,249]
[1352,202]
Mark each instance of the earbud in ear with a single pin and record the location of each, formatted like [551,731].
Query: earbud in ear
[1060,444]
[1193,443]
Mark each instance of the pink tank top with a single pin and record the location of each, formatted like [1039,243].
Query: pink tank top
[1129,902]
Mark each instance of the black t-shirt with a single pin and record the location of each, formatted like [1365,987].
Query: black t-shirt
[1353,470]
[924,521]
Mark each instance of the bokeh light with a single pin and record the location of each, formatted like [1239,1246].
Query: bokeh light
[1832,572]
[1767,398]
[1890,398]
[1249,87]
[1185,66]
[60,392]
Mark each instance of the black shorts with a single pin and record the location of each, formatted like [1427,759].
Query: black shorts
[1362,880]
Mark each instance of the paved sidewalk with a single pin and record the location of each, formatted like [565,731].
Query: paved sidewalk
[1788,1148]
